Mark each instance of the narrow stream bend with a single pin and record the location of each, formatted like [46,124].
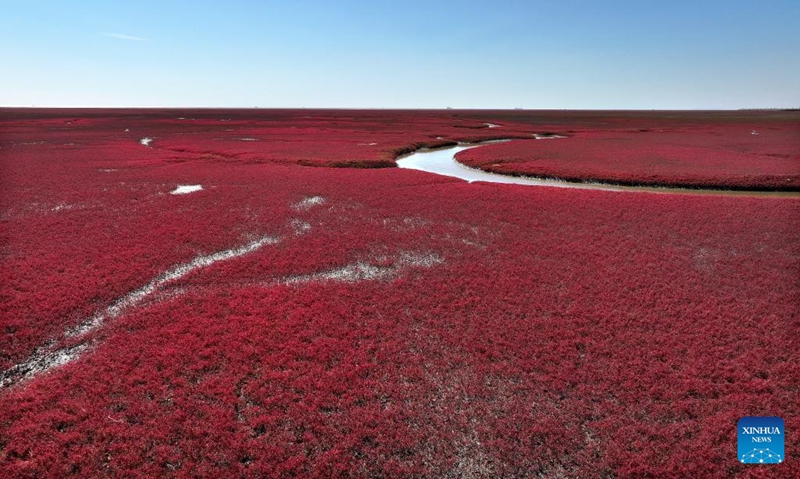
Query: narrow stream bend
[442,161]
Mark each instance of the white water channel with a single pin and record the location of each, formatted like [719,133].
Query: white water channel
[442,161]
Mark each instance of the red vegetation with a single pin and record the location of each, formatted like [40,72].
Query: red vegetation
[481,329]
[764,157]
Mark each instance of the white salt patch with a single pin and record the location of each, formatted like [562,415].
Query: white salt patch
[300,227]
[416,259]
[135,297]
[247,139]
[62,206]
[407,224]
[492,125]
[547,137]
[45,358]
[349,273]
[363,271]
[754,133]
[186,189]
[42,360]
[127,129]
[308,202]
[146,141]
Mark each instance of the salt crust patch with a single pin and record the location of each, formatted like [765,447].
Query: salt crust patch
[300,227]
[365,271]
[406,224]
[492,125]
[547,137]
[308,202]
[49,356]
[62,206]
[135,297]
[45,358]
[42,360]
[146,141]
[186,189]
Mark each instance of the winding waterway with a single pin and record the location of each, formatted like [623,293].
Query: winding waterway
[442,161]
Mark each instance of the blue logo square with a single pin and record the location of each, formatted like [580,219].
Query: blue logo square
[761,440]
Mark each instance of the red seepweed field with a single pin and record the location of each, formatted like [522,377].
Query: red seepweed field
[314,312]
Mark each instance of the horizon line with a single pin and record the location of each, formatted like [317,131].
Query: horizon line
[119,107]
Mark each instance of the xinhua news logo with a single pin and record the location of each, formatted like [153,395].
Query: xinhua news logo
[761,440]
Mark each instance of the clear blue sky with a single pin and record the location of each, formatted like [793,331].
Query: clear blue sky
[407,54]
